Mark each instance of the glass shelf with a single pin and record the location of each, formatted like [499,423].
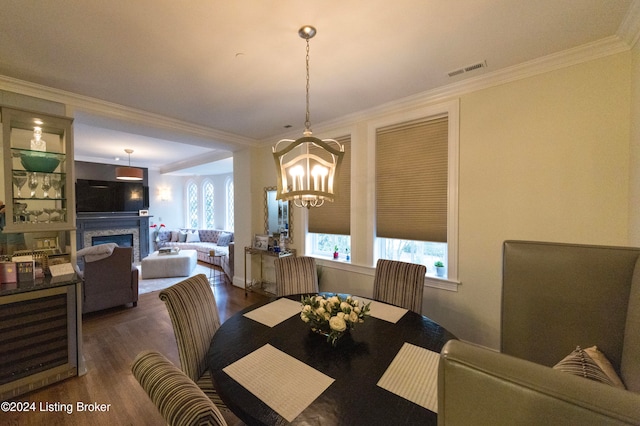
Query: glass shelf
[17,152]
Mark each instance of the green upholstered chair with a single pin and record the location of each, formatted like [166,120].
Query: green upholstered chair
[194,316]
[180,401]
[399,283]
[296,275]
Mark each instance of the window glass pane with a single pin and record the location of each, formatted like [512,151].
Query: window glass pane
[192,206]
[230,210]
[324,245]
[421,252]
[208,205]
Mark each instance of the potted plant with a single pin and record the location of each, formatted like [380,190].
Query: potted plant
[335,252]
[439,268]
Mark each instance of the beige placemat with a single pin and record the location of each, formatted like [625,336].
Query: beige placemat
[284,383]
[413,375]
[384,311]
[275,312]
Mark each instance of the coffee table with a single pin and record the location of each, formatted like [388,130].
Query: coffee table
[179,264]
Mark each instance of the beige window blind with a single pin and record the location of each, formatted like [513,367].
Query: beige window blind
[335,218]
[411,180]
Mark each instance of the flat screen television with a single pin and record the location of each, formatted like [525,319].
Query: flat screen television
[107,196]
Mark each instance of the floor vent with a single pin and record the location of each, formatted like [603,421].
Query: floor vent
[468,68]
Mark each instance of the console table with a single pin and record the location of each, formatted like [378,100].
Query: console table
[259,285]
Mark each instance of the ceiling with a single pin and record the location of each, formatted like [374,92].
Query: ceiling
[185,84]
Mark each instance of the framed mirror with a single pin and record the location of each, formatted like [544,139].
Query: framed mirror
[277,214]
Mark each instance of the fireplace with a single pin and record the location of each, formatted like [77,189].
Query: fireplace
[122,240]
[125,229]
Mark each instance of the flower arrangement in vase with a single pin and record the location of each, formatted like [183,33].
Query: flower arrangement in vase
[333,315]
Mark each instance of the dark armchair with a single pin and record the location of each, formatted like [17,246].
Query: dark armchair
[110,282]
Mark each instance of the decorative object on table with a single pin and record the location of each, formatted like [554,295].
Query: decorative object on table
[37,143]
[311,164]
[439,268]
[333,315]
[261,242]
[168,250]
[335,252]
[44,162]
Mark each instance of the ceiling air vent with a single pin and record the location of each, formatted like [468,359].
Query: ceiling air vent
[468,68]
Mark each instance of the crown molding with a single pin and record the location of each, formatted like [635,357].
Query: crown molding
[599,49]
[75,102]
[629,30]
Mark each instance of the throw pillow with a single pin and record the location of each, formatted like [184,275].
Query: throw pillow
[224,239]
[605,365]
[580,363]
[174,236]
[164,236]
[182,237]
[193,237]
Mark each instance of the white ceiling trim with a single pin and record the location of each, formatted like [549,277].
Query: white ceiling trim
[75,102]
[193,162]
[629,30]
[602,48]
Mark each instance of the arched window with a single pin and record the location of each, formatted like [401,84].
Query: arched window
[208,207]
[192,205]
[229,221]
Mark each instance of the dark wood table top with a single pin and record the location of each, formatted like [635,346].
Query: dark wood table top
[356,363]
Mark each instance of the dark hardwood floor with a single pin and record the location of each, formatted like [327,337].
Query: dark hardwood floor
[112,339]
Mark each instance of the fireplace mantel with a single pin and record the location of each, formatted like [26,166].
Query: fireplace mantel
[97,224]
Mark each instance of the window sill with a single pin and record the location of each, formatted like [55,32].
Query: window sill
[429,281]
[441,283]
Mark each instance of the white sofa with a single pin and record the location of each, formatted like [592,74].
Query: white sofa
[207,240]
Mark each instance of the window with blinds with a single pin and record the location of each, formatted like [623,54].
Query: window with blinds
[335,217]
[412,180]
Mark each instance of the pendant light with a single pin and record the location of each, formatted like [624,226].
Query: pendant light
[307,167]
[129,173]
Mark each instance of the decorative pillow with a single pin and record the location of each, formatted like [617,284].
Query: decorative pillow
[174,236]
[182,237]
[164,236]
[605,366]
[224,239]
[581,363]
[193,237]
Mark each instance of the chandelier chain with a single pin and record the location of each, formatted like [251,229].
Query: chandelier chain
[307,122]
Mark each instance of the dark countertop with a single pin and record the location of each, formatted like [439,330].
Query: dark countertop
[47,282]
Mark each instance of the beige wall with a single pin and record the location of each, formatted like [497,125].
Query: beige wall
[634,189]
[542,158]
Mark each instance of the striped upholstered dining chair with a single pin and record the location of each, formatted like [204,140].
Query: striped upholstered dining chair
[180,401]
[296,275]
[194,316]
[399,283]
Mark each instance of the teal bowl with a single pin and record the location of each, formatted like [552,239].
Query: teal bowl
[36,162]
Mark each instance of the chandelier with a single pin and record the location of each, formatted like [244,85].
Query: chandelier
[307,167]
[129,173]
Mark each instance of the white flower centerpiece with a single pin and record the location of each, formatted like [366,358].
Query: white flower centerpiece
[333,315]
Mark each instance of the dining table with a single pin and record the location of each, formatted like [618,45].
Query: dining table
[269,368]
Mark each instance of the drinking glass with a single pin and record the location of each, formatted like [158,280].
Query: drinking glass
[33,183]
[48,212]
[19,179]
[19,212]
[46,185]
[61,214]
[34,215]
[56,183]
